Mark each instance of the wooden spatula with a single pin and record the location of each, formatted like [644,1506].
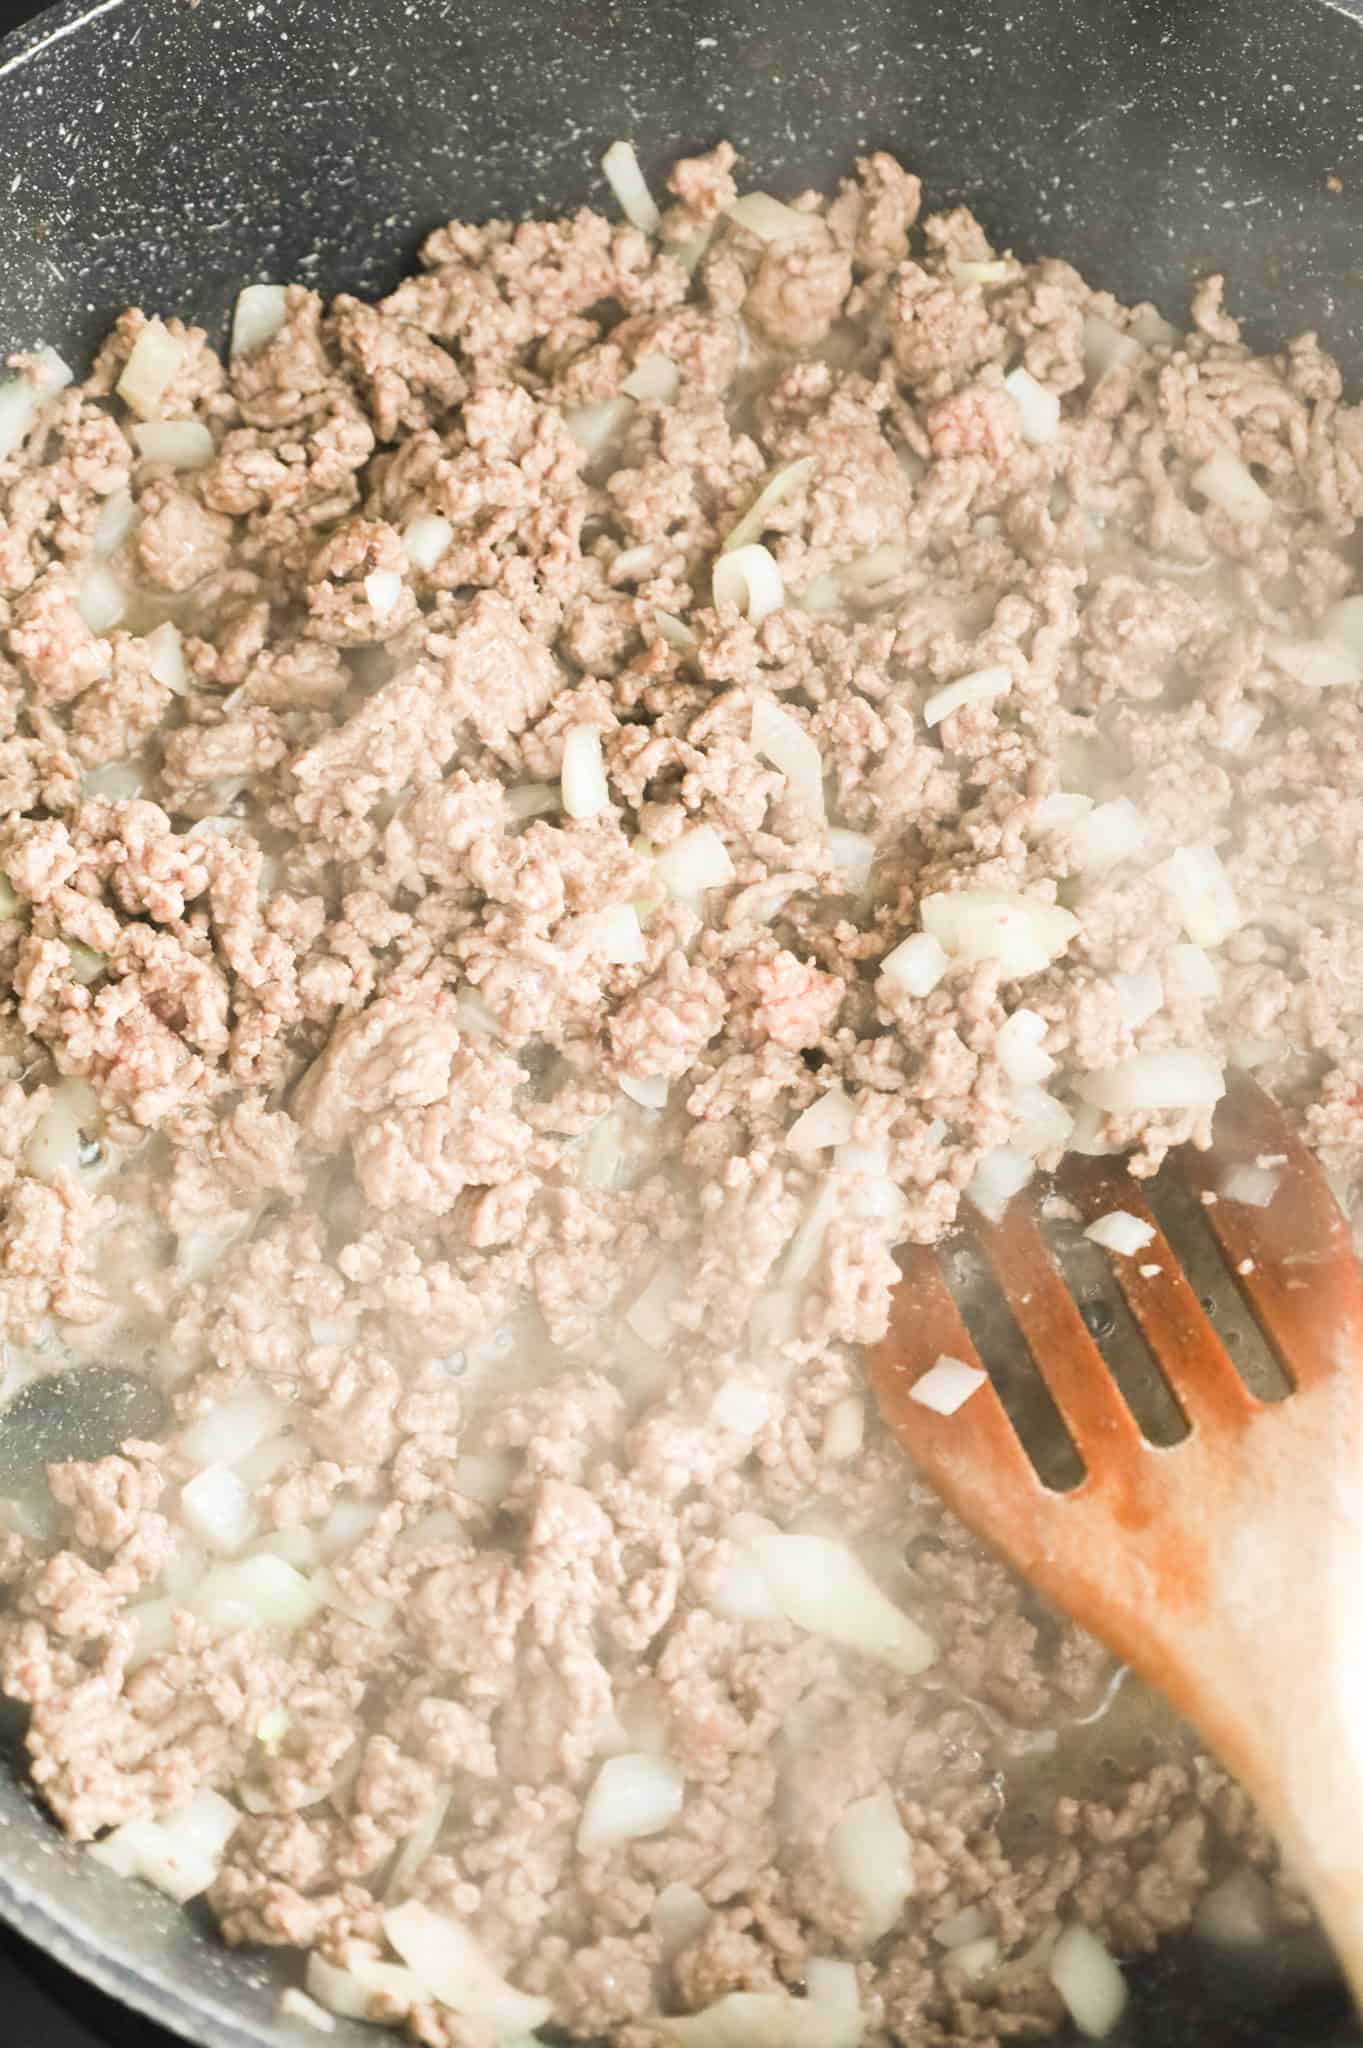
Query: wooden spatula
[1228,1568]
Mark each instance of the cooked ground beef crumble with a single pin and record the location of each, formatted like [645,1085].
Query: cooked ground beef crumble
[420,1109]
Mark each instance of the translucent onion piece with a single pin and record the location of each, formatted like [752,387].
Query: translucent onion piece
[1019,1050]
[1044,1125]
[22,397]
[853,853]
[419,1844]
[383,590]
[994,271]
[1106,348]
[972,689]
[1089,1982]
[594,427]
[166,658]
[1121,1232]
[261,311]
[1225,481]
[177,444]
[296,2005]
[916,963]
[675,631]
[845,1429]
[156,360]
[260,1590]
[1000,1175]
[627,182]
[1200,890]
[622,938]
[425,540]
[113,524]
[765,2019]
[1318,664]
[749,578]
[786,480]
[650,1317]
[57,1140]
[820,1585]
[583,780]
[1343,622]
[217,1508]
[653,377]
[771,220]
[699,860]
[873,1856]
[1108,834]
[784,742]
[226,1434]
[1155,1080]
[1254,1186]
[1023,934]
[680,1914]
[825,1123]
[1038,408]
[650,1093]
[100,600]
[1154,331]
[1139,995]
[1195,972]
[532,800]
[456,1971]
[350,1993]
[947,1385]
[631,1796]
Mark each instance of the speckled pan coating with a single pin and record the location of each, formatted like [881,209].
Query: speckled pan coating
[162,153]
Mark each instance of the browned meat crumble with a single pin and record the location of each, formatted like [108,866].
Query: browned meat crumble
[430,1104]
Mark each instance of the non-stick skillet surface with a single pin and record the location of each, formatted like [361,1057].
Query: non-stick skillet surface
[164,152]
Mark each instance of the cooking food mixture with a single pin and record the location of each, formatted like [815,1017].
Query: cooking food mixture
[548,824]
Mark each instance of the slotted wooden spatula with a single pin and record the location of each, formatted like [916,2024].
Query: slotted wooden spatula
[1228,1568]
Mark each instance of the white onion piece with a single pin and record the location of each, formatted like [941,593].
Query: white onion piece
[1038,407]
[1018,1048]
[1086,1136]
[631,1796]
[1175,1079]
[679,1915]
[786,480]
[741,1407]
[698,861]
[1044,1125]
[784,742]
[820,1585]
[622,938]
[826,1122]
[54,1144]
[1200,890]
[485,1476]
[771,220]
[180,1855]
[765,2019]
[226,1434]
[653,377]
[262,1588]
[297,1547]
[1000,1175]
[156,360]
[828,1982]
[1089,1982]
[425,540]
[100,599]
[349,1522]
[260,312]
[1255,1186]
[1343,623]
[1106,835]
[916,963]
[1317,664]
[296,2005]
[976,1959]
[419,1844]
[350,1993]
[1154,330]
[873,1857]
[1237,1913]
[19,404]
[455,1970]
[376,1613]
[113,524]
[532,800]
[630,187]
[217,1509]
[1195,972]
[675,631]
[823,594]
[1225,481]
[176,444]
[1139,995]
[1021,933]
[1061,810]
[967,1925]
[743,1593]
[1238,727]
[1119,1231]
[947,1385]
[977,688]
[844,1431]
[749,578]
[51,373]
[853,854]
[650,1317]
[965,271]
[166,658]
[650,1093]
[153,1626]
[1106,348]
[383,591]
[583,780]
[593,427]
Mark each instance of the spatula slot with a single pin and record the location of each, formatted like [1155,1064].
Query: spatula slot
[1003,1350]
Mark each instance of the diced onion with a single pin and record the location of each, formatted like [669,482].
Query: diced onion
[650,1317]
[826,1122]
[19,404]
[1255,1186]
[180,1855]
[1139,995]
[977,688]
[1021,933]
[376,1613]
[771,220]
[1155,331]
[622,938]
[485,1477]
[1237,1913]
[425,540]
[653,377]
[264,1589]
[1106,348]
[679,1915]
[967,1925]
[824,594]
[650,1093]
[532,800]
[383,590]
[350,1993]
[947,1385]
[226,1434]
[55,1142]
[297,1547]
[976,1959]
[166,657]
[153,1629]
[699,860]
[675,631]
[1318,664]
[765,2019]
[1175,1079]
[1089,1982]
[113,524]
[217,1509]
[1119,1231]
[1225,481]
[177,444]
[296,2005]
[965,271]
[455,1969]
[593,427]
[583,781]
[873,1857]
[844,1431]
[261,311]
[820,1585]
[1019,1050]
[1038,407]
[419,1844]
[1000,1175]
[349,1522]
[828,1982]
[156,360]
[853,854]
[631,1796]
[916,963]
[786,480]
[1044,1125]
[784,742]
[1200,890]
[1062,810]
[743,1594]
[627,182]
[1195,972]
[100,600]
[749,578]
[1343,623]
[1106,835]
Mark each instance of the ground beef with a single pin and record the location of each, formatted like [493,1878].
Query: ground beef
[363,1076]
